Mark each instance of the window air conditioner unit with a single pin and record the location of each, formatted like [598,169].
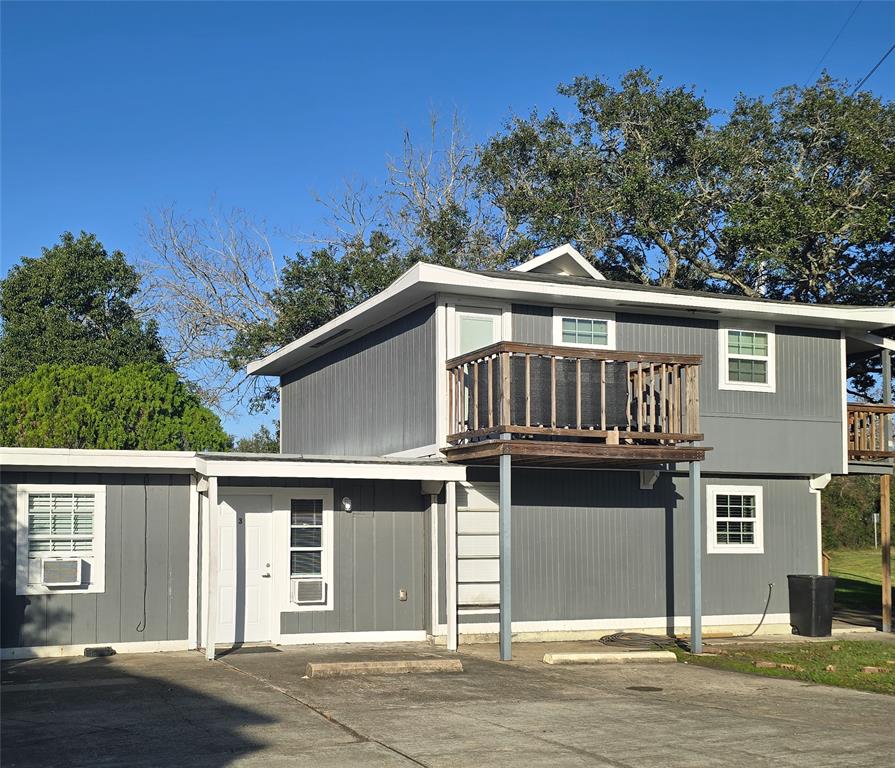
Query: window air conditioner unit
[307,591]
[61,572]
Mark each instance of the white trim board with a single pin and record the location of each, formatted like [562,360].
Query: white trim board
[388,470]
[681,623]
[221,465]
[384,636]
[52,651]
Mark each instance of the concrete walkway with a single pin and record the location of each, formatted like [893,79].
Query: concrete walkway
[255,707]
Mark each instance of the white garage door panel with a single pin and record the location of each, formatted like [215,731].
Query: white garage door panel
[477,522]
[478,570]
[478,594]
[487,545]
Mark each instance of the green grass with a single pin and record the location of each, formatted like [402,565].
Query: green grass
[859,578]
[812,660]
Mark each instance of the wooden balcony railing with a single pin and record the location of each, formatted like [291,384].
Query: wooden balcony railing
[867,431]
[575,393]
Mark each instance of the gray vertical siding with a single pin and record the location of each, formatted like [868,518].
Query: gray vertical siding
[112,615]
[795,430]
[376,395]
[532,323]
[378,549]
[592,545]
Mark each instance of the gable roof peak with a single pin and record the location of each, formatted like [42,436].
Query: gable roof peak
[563,260]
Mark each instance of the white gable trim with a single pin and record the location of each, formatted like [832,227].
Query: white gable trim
[552,255]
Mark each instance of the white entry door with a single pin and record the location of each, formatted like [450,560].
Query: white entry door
[245,577]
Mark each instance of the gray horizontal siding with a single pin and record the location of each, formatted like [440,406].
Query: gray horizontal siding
[378,550]
[749,431]
[113,615]
[593,545]
[373,396]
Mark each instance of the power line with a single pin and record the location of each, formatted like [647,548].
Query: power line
[835,40]
[876,67]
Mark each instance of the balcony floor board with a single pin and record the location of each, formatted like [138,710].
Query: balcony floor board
[549,453]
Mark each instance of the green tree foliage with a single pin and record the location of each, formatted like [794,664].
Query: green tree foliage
[72,306]
[789,196]
[263,441]
[847,508]
[134,407]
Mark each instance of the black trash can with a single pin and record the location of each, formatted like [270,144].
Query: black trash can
[811,604]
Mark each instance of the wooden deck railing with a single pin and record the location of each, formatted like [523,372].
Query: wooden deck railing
[866,431]
[573,392]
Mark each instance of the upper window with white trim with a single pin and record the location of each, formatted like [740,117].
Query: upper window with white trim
[735,519]
[580,328]
[60,541]
[747,359]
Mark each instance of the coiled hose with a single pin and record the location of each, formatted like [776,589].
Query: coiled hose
[638,641]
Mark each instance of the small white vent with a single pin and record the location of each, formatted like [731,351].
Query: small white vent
[308,591]
[61,572]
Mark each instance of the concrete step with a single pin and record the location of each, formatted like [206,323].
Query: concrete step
[393,667]
[610,657]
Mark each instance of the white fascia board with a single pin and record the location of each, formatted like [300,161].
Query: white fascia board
[567,294]
[556,253]
[329,470]
[84,458]
[424,280]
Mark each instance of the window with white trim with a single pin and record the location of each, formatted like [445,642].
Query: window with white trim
[735,519]
[747,359]
[64,527]
[579,328]
[306,538]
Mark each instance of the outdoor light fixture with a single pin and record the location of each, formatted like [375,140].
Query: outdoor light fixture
[346,503]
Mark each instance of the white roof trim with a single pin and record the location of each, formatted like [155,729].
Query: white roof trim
[67,459]
[537,262]
[85,458]
[221,467]
[426,280]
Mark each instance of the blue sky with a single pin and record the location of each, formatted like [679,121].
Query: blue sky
[111,110]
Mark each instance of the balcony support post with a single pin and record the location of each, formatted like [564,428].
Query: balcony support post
[696,570]
[504,530]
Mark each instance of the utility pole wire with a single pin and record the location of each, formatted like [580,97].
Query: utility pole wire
[867,76]
[835,40]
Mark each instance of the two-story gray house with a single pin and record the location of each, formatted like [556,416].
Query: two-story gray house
[536,452]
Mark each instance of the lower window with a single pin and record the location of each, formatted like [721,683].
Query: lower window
[735,519]
[308,551]
[60,543]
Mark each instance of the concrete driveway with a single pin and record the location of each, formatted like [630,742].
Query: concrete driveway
[255,708]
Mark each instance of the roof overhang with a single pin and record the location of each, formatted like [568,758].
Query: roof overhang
[864,344]
[230,465]
[423,282]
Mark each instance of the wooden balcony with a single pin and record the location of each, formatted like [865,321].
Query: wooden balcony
[571,405]
[867,431]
